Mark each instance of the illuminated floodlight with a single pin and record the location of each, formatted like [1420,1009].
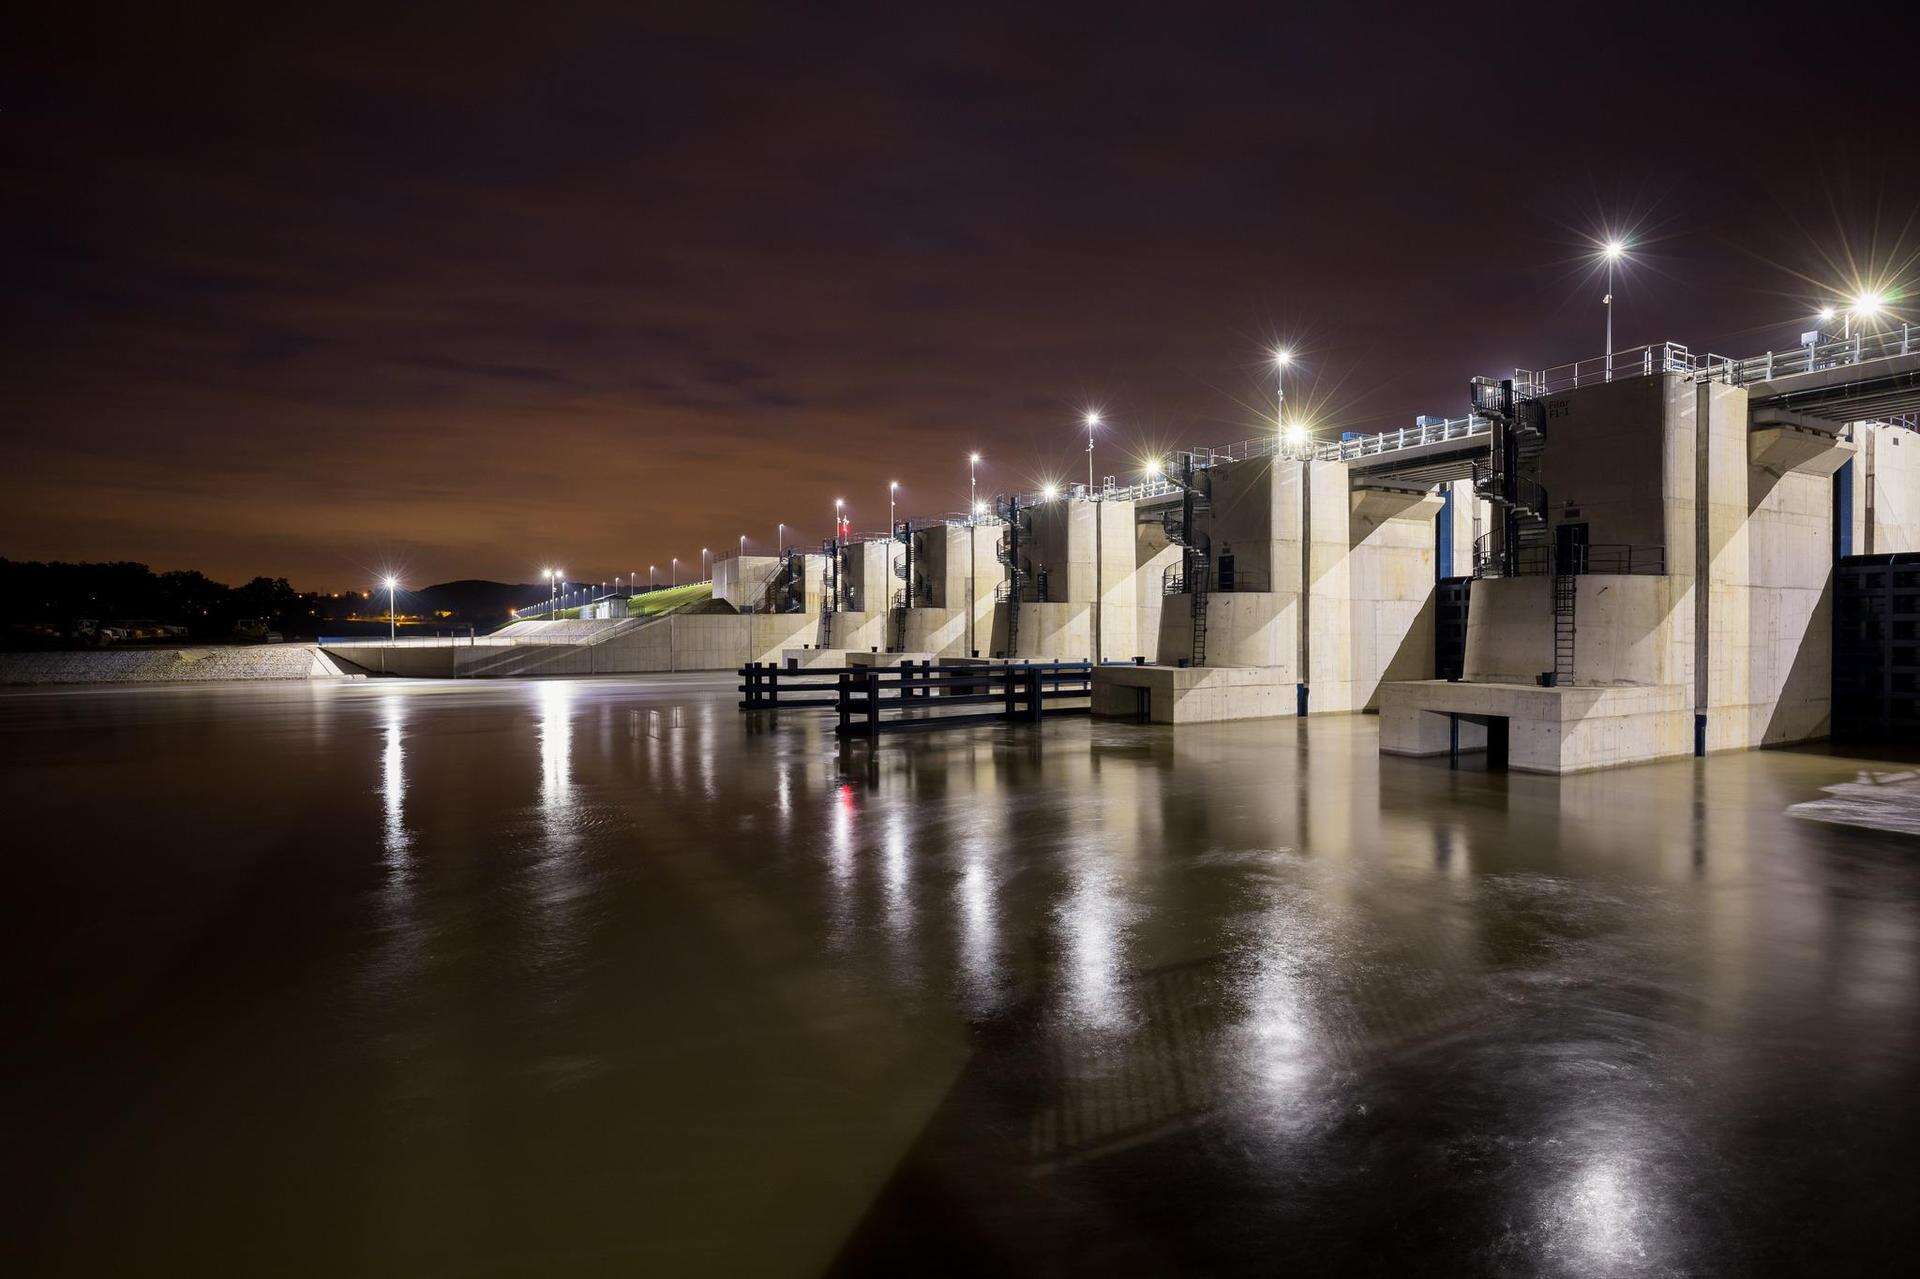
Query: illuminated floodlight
[390,583]
[979,508]
[1296,442]
[1282,357]
[1050,492]
[973,457]
[1868,304]
[1613,250]
[1827,313]
[1153,467]
[1093,420]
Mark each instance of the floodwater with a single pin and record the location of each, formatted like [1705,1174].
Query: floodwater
[557,977]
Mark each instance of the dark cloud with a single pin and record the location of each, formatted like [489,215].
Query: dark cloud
[476,288]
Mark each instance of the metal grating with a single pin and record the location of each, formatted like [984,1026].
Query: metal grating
[1876,648]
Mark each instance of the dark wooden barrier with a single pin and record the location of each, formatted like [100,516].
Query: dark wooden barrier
[873,700]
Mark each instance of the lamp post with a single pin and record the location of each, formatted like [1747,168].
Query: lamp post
[1613,251]
[553,591]
[893,492]
[653,575]
[1281,359]
[839,504]
[973,482]
[1093,420]
[779,538]
[743,546]
[391,584]
[673,570]
[704,569]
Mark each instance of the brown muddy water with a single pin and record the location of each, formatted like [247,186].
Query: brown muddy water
[600,977]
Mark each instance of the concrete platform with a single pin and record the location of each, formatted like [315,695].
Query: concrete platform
[809,658]
[1550,730]
[1193,694]
[889,659]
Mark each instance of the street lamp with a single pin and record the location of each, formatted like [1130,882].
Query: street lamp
[1612,251]
[893,493]
[743,546]
[703,562]
[839,504]
[1153,468]
[1296,443]
[673,570]
[779,538]
[1093,420]
[973,481]
[653,575]
[553,591]
[1050,492]
[390,584]
[1282,357]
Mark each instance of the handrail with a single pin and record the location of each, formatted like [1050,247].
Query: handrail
[1811,358]
[1613,559]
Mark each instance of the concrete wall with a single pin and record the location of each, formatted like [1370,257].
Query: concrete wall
[1603,460]
[869,582]
[963,573]
[1368,574]
[1625,631]
[744,581]
[1887,496]
[162,665]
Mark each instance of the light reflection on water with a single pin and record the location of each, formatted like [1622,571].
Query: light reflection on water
[700,996]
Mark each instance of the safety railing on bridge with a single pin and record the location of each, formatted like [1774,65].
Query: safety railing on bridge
[1836,353]
[1639,361]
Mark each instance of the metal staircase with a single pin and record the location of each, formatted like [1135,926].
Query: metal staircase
[1509,477]
[1196,551]
[902,565]
[829,589]
[1018,523]
[790,596]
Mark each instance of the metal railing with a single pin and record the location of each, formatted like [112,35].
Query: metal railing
[1837,353]
[1639,361]
[1176,580]
[1609,558]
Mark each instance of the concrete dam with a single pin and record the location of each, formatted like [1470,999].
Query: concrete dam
[1605,562]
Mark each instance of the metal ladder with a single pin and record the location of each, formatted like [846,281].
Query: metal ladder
[1564,587]
[1198,584]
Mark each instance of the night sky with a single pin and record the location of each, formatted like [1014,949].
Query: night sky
[467,291]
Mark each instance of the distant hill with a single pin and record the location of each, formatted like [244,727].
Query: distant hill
[474,603]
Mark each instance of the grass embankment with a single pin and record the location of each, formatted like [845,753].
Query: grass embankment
[674,598]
